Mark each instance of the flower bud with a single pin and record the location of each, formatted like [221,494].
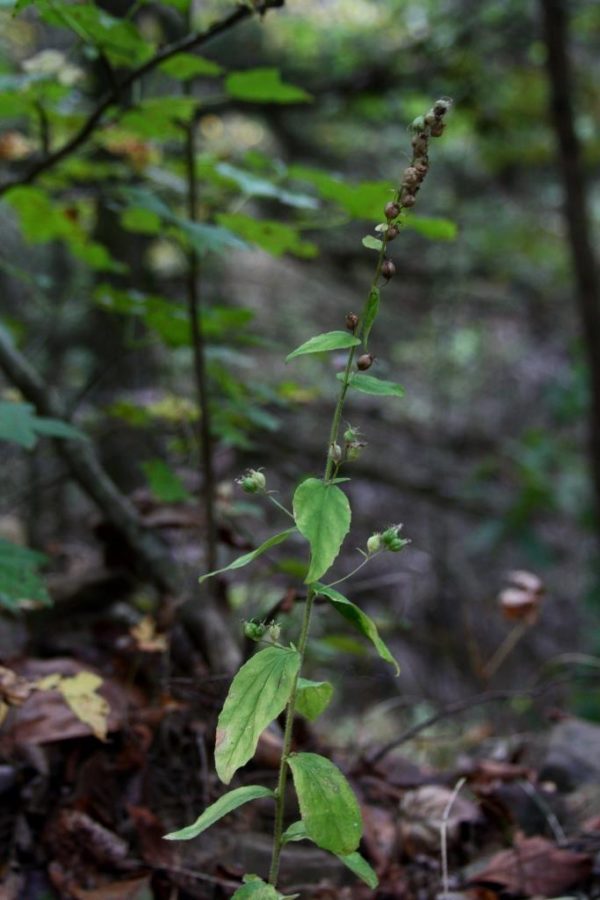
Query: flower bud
[418,124]
[430,117]
[410,176]
[351,434]
[391,210]
[274,631]
[392,232]
[437,129]
[351,321]
[419,143]
[422,167]
[365,361]
[354,450]
[254,631]
[391,539]
[252,482]
[441,107]
[388,269]
[335,453]
[408,200]
[374,544]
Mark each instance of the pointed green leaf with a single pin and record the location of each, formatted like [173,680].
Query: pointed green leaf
[361,868]
[432,228]
[313,698]
[369,384]
[359,619]
[220,808]
[372,243]
[257,695]
[329,809]
[330,340]
[263,85]
[370,314]
[354,861]
[322,514]
[272,236]
[188,65]
[242,561]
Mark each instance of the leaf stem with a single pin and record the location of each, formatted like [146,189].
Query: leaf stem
[280,506]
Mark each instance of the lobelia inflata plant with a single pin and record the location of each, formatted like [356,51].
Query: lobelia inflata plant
[270,682]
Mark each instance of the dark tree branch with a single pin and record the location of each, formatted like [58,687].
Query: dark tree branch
[187,43]
[204,621]
[587,280]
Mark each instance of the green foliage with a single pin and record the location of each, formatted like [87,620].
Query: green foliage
[370,384]
[222,807]
[329,809]
[354,861]
[322,343]
[322,514]
[359,619]
[20,425]
[247,558]
[263,85]
[313,698]
[19,579]
[164,483]
[257,695]
[256,889]
[276,238]
[184,66]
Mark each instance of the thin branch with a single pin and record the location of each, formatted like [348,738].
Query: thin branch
[187,43]
[461,706]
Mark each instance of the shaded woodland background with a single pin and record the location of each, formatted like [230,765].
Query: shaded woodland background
[492,324]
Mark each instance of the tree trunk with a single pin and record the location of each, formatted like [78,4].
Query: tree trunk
[587,281]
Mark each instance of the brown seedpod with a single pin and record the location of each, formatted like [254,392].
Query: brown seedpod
[388,269]
[437,129]
[365,361]
[351,321]
[408,200]
[410,176]
[392,232]
[391,210]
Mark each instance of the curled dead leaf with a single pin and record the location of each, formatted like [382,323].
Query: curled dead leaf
[521,599]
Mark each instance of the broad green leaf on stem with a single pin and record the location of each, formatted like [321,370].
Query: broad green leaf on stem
[322,514]
[354,861]
[263,85]
[370,314]
[361,621]
[257,695]
[220,808]
[321,343]
[372,243]
[369,384]
[242,561]
[313,698]
[329,809]
[188,65]
[434,229]
[274,237]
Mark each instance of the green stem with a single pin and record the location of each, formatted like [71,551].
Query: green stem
[290,713]
[287,743]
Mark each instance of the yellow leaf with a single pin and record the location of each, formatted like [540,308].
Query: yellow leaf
[89,707]
[146,638]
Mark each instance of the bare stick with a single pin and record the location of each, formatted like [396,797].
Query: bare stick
[444,835]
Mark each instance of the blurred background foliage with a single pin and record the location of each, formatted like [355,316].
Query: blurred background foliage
[300,123]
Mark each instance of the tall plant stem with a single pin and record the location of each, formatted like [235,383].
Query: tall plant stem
[291,706]
[194,303]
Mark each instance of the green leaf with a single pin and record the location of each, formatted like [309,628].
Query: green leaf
[140,221]
[187,65]
[20,425]
[263,85]
[224,805]
[354,861]
[257,889]
[329,809]
[369,384]
[313,698]
[321,343]
[361,621]
[276,238]
[19,579]
[360,200]
[242,561]
[164,483]
[370,314]
[254,186]
[322,514]
[257,695]
[432,228]
[372,243]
